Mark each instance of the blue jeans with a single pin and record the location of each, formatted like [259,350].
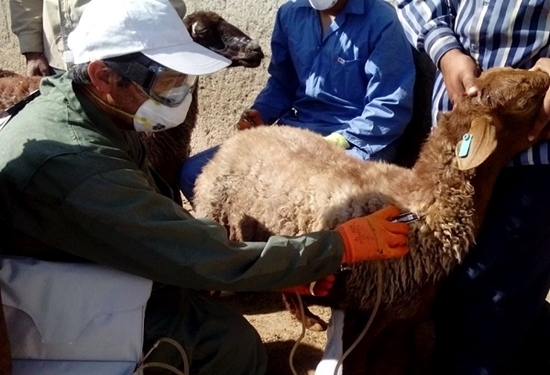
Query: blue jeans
[493,304]
[191,169]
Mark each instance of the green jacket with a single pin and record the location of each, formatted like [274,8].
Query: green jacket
[44,25]
[72,183]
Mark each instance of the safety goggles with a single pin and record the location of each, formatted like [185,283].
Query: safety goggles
[169,87]
[163,84]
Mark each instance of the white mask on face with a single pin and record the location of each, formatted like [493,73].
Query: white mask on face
[152,116]
[322,4]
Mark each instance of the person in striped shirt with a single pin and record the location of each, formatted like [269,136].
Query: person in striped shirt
[491,316]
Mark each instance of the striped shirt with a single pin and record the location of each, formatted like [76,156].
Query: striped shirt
[494,32]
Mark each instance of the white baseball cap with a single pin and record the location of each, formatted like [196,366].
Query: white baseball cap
[110,28]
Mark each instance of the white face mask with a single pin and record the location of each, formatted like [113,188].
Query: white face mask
[152,116]
[322,4]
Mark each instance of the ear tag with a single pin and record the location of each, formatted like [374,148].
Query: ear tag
[465,145]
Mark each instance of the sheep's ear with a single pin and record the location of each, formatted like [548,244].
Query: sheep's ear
[477,144]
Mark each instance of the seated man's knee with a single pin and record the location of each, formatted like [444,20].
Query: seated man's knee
[243,351]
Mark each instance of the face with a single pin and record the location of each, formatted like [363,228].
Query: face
[161,104]
[124,98]
[128,98]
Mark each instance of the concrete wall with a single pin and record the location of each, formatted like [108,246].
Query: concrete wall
[223,95]
[9,47]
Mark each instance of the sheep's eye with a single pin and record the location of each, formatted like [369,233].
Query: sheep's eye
[202,31]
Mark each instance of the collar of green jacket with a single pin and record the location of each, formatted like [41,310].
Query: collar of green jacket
[61,87]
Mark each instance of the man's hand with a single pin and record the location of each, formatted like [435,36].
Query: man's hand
[249,119]
[374,237]
[37,65]
[459,71]
[540,130]
[319,288]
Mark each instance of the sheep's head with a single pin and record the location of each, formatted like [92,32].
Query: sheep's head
[213,32]
[500,116]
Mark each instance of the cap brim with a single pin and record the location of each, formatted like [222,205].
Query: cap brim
[188,58]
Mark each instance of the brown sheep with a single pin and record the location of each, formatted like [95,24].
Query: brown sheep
[14,87]
[167,150]
[288,181]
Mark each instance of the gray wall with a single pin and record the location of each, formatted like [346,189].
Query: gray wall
[9,57]
[223,95]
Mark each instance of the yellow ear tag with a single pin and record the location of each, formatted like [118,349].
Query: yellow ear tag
[476,145]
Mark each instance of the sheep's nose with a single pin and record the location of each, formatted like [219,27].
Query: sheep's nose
[255,47]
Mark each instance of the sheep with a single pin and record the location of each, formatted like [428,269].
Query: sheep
[7,73]
[14,87]
[287,181]
[167,150]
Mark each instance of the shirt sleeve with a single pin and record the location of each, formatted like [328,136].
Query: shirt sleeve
[428,25]
[279,93]
[116,219]
[26,24]
[388,98]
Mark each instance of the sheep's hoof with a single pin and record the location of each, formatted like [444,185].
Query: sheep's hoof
[311,321]
[316,325]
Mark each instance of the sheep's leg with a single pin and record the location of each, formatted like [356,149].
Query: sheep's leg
[312,321]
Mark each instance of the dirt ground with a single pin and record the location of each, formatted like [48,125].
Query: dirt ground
[280,332]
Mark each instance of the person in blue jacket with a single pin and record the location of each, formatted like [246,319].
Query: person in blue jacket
[341,68]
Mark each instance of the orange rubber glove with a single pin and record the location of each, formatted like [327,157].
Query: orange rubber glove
[249,119]
[317,288]
[374,237]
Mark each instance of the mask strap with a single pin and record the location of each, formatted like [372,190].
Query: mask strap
[119,111]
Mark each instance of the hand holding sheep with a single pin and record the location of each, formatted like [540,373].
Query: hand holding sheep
[250,118]
[459,72]
[540,129]
[371,237]
[374,237]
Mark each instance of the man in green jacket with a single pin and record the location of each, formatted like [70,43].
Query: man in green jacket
[75,184]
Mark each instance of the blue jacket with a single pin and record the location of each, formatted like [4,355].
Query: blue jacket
[357,80]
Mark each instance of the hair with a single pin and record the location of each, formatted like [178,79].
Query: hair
[78,73]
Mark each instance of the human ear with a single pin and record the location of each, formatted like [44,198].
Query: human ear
[100,75]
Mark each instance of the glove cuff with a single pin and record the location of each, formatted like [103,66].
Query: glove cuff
[347,256]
